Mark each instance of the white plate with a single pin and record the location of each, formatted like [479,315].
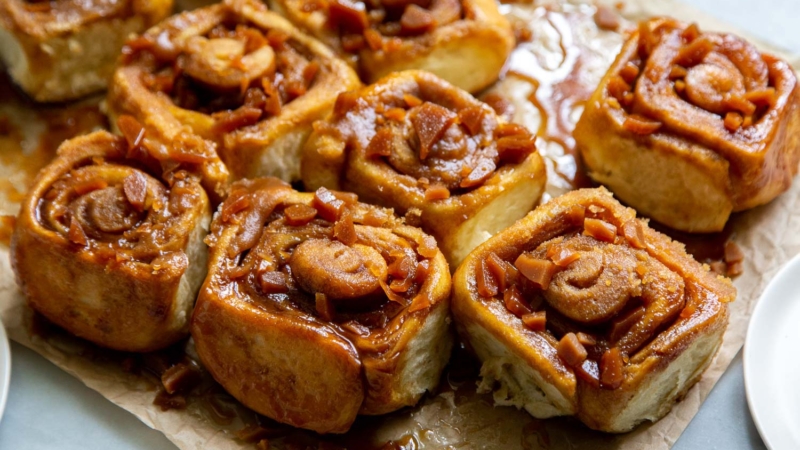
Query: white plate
[772,360]
[5,368]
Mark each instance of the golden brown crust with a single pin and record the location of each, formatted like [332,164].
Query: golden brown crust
[597,271]
[465,42]
[415,143]
[63,50]
[318,308]
[235,74]
[702,120]
[107,250]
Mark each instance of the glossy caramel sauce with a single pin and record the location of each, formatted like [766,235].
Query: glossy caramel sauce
[549,77]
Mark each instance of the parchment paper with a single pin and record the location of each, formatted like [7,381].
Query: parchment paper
[454,419]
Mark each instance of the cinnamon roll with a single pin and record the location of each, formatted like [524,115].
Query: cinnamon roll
[235,74]
[688,126]
[466,42]
[582,309]
[108,249]
[415,143]
[65,49]
[318,308]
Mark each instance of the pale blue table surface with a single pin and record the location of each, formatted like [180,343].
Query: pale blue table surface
[48,409]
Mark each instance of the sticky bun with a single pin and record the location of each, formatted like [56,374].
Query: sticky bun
[110,247]
[582,309]
[689,126]
[465,42]
[317,308]
[417,144]
[235,74]
[64,49]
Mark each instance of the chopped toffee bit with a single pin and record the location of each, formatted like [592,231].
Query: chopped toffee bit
[612,369]
[514,149]
[299,215]
[538,271]
[513,300]
[535,321]
[600,230]
[498,268]
[571,351]
[328,205]
[430,122]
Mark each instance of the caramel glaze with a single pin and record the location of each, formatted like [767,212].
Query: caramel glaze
[554,55]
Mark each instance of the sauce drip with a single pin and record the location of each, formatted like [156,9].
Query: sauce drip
[549,78]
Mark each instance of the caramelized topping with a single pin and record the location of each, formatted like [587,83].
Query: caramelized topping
[436,192]
[344,230]
[733,121]
[487,287]
[273,282]
[238,73]
[416,20]
[498,269]
[513,301]
[514,149]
